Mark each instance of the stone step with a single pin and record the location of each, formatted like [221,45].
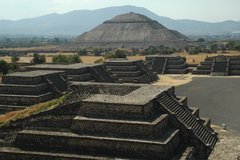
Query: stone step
[9,108]
[120,63]
[122,68]
[22,80]
[82,78]
[204,67]
[176,62]
[7,153]
[127,73]
[114,107]
[234,72]
[69,142]
[30,77]
[234,62]
[26,100]
[176,71]
[234,67]
[201,72]
[24,89]
[206,63]
[120,128]
[129,79]
[180,66]
[195,111]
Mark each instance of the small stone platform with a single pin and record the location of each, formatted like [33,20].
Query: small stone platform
[167,64]
[23,89]
[219,66]
[78,72]
[115,121]
[130,71]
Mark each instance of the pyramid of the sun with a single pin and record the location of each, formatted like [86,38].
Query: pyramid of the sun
[129,30]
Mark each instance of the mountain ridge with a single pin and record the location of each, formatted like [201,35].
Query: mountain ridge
[79,21]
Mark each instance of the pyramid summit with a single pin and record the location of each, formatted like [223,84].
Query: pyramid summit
[130,30]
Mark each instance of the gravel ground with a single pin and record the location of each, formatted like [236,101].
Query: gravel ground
[228,147]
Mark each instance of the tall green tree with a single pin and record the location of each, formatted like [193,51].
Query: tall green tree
[4,67]
[66,59]
[38,59]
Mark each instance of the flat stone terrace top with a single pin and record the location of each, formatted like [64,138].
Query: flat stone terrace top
[121,60]
[167,55]
[140,96]
[36,73]
[63,66]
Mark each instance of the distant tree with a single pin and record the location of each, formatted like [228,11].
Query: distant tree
[109,55]
[213,48]
[237,48]
[66,59]
[201,40]
[56,40]
[4,67]
[120,54]
[15,59]
[231,45]
[97,51]
[194,50]
[38,59]
[75,59]
[82,52]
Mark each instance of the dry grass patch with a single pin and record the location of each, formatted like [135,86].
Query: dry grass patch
[41,107]
[196,59]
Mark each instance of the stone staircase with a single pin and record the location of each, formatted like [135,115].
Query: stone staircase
[220,67]
[208,137]
[130,71]
[23,89]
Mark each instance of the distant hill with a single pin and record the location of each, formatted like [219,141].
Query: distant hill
[77,22]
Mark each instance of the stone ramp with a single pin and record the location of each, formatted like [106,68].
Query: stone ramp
[208,137]
[130,71]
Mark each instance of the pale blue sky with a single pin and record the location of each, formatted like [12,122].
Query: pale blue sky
[206,10]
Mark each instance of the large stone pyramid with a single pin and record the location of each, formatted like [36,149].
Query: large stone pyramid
[130,30]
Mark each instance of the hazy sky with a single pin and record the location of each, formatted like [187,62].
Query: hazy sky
[206,10]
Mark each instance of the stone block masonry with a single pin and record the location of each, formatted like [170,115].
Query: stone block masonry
[167,64]
[23,89]
[219,66]
[79,72]
[114,121]
[130,71]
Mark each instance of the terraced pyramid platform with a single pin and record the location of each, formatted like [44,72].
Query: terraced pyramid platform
[113,121]
[23,89]
[79,72]
[130,71]
[219,65]
[167,64]
[130,30]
